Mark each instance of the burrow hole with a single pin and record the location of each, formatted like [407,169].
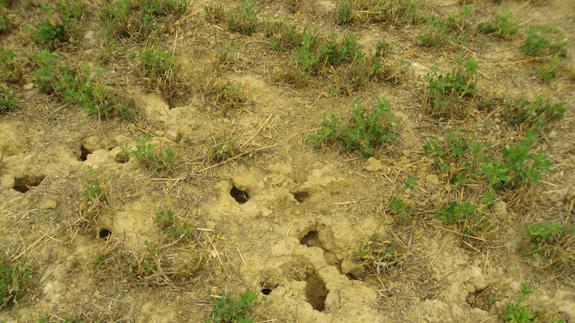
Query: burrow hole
[24,183]
[104,234]
[267,288]
[315,291]
[301,196]
[84,152]
[311,239]
[240,196]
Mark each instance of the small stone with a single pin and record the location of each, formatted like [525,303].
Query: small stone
[92,143]
[174,135]
[500,208]
[352,268]
[50,204]
[266,212]
[28,86]
[373,165]
[432,179]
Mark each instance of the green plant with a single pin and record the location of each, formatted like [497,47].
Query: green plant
[7,100]
[365,132]
[544,40]
[343,12]
[227,309]
[50,33]
[171,224]
[228,95]
[222,151]
[410,182]
[11,70]
[549,245]
[447,95]
[471,223]
[516,312]
[402,211]
[377,254]
[503,26]
[158,69]
[376,11]
[78,87]
[215,13]
[14,280]
[139,19]
[457,157]
[5,23]
[548,70]
[243,19]
[455,28]
[534,115]
[152,158]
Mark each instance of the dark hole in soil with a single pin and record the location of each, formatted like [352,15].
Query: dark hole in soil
[311,239]
[240,196]
[104,234]
[83,153]
[122,158]
[301,196]
[315,291]
[23,184]
[266,291]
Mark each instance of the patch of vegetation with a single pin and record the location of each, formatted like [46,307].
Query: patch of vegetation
[58,28]
[548,70]
[228,309]
[458,157]
[550,245]
[448,95]
[11,71]
[140,19]
[159,70]
[154,265]
[544,40]
[376,11]
[215,13]
[401,211]
[534,115]
[243,19]
[7,100]
[14,281]
[377,255]
[5,22]
[366,130]
[503,26]
[223,150]
[471,223]
[516,312]
[172,225]
[79,87]
[94,201]
[227,95]
[152,158]
[456,28]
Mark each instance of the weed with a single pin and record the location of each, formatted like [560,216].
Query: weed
[59,27]
[171,224]
[471,223]
[243,19]
[139,19]
[222,150]
[7,100]
[534,115]
[14,280]
[548,70]
[447,94]
[159,70]
[544,40]
[5,23]
[516,312]
[94,201]
[215,13]
[503,26]
[78,87]
[456,28]
[457,157]
[402,212]
[50,33]
[518,165]
[377,254]
[11,70]
[152,158]
[550,245]
[365,132]
[228,95]
[376,11]
[410,182]
[227,309]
